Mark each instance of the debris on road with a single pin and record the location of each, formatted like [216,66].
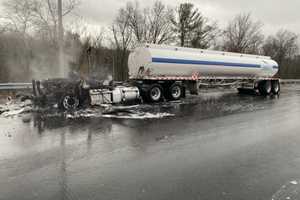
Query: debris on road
[13,107]
[294,182]
[26,118]
[24,110]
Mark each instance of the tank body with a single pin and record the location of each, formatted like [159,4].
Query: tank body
[150,61]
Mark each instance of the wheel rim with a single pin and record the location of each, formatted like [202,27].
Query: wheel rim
[176,92]
[155,93]
[70,102]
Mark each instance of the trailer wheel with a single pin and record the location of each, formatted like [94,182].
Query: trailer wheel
[175,91]
[275,87]
[69,102]
[155,93]
[265,87]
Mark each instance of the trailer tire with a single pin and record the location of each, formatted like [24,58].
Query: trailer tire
[275,87]
[265,87]
[154,93]
[175,91]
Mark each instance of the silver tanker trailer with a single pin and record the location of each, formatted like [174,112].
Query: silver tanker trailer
[165,72]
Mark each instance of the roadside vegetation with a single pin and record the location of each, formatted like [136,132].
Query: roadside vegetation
[29,47]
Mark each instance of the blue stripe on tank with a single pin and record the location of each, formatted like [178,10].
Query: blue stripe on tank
[203,62]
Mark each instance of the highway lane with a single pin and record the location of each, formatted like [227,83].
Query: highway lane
[220,145]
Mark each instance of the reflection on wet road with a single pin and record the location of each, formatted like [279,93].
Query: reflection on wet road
[220,145]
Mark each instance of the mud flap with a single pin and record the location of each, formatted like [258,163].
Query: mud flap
[193,87]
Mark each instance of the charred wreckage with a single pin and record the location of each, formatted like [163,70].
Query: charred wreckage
[72,94]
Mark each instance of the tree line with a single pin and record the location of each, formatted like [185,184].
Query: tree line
[28,38]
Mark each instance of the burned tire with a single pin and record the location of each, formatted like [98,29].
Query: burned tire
[275,87]
[69,102]
[265,87]
[175,91]
[154,93]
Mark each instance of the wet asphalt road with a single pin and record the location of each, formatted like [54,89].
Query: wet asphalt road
[220,145]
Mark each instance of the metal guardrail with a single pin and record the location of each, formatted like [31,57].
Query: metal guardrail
[290,81]
[15,86]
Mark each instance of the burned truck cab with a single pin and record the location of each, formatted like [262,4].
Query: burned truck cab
[72,94]
[66,94]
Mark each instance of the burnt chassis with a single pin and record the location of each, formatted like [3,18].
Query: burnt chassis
[67,94]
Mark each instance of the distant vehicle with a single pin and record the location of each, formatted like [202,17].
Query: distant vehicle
[159,72]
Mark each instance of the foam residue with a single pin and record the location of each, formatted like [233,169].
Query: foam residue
[146,115]
[82,115]
[118,112]
[11,109]
[294,182]
[118,115]
[12,113]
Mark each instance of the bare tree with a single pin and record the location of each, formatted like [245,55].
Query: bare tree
[137,20]
[46,18]
[282,47]
[122,34]
[24,16]
[243,35]
[135,25]
[98,39]
[151,24]
[27,21]
[159,24]
[18,15]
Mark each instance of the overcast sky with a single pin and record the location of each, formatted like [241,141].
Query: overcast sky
[274,14]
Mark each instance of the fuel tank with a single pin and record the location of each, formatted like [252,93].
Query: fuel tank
[150,60]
